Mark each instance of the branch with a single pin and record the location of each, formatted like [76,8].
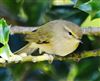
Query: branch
[22,30]
[47,57]
[91,31]
[84,54]
[25,58]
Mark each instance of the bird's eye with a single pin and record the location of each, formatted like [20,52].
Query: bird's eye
[69,33]
[1,45]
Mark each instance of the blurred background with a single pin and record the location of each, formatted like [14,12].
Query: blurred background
[38,12]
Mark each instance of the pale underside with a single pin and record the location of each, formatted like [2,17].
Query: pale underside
[62,48]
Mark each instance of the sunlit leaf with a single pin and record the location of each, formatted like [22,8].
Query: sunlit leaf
[91,23]
[5,52]
[4,32]
[4,37]
[62,2]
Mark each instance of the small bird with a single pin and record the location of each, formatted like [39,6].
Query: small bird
[58,37]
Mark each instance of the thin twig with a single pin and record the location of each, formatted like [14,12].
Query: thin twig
[91,31]
[22,30]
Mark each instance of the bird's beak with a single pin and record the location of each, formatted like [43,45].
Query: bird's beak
[80,41]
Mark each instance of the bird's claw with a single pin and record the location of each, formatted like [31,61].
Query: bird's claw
[14,58]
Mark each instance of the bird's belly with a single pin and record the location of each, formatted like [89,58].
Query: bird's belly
[60,48]
[64,48]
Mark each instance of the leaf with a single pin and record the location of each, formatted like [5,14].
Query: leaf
[97,15]
[4,32]
[5,51]
[91,23]
[13,5]
[92,7]
[62,2]
[80,2]
[36,10]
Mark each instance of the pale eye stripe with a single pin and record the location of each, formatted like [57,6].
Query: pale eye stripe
[70,31]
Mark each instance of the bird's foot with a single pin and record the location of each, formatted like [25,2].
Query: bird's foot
[16,58]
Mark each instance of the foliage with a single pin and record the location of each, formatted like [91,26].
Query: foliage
[4,37]
[37,12]
[92,7]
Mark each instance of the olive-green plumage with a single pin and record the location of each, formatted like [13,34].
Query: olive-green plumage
[57,37]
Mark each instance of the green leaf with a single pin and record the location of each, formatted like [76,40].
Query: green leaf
[4,32]
[92,7]
[91,23]
[80,2]
[97,15]
[5,51]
